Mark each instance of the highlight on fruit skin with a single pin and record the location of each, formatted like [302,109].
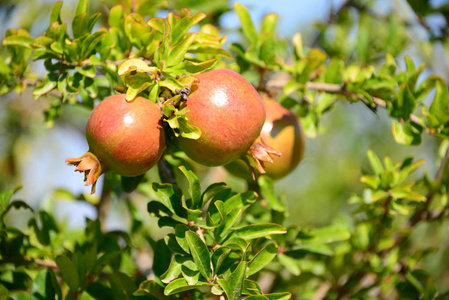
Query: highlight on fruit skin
[281,131]
[124,137]
[229,113]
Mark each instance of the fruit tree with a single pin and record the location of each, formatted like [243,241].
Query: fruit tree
[224,158]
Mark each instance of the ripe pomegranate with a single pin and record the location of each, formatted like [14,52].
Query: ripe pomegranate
[230,114]
[124,137]
[281,131]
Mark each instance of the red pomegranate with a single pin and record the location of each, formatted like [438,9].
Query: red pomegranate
[124,137]
[281,131]
[230,114]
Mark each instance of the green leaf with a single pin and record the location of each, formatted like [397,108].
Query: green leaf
[135,65]
[229,220]
[404,104]
[89,44]
[88,71]
[251,287]
[181,285]
[157,209]
[200,254]
[188,131]
[328,234]
[116,16]
[299,49]
[173,270]
[371,181]
[440,104]
[375,162]
[56,13]
[194,68]
[150,287]
[269,24]
[178,52]
[180,233]
[161,259]
[172,243]
[406,134]
[190,272]
[161,25]
[171,197]
[46,286]
[79,25]
[98,291]
[49,83]
[290,264]
[5,197]
[241,200]
[261,259]
[122,285]
[194,187]
[267,190]
[69,272]
[212,190]
[82,7]
[233,286]
[274,296]
[255,231]
[18,40]
[129,184]
[180,26]
[219,255]
[248,28]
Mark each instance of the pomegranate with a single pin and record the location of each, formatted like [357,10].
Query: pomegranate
[283,132]
[230,114]
[124,137]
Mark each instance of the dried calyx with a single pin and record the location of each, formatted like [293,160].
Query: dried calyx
[90,165]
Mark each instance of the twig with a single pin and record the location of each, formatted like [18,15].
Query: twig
[46,263]
[338,89]
[322,290]
[104,204]
[165,171]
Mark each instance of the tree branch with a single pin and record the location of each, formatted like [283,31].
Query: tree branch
[338,89]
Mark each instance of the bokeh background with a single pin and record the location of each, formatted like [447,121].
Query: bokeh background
[32,151]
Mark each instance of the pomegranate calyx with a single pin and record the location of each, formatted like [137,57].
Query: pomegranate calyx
[260,152]
[90,165]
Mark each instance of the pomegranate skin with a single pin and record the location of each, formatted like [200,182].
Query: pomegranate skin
[230,114]
[126,137]
[281,131]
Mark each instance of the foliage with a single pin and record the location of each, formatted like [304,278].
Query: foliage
[221,242]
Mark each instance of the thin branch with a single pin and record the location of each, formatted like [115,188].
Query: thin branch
[46,263]
[104,205]
[165,172]
[338,89]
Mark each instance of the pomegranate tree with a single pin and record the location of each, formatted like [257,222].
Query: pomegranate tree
[230,114]
[124,137]
[281,131]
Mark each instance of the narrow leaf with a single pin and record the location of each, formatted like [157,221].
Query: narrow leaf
[248,28]
[82,6]
[255,231]
[56,13]
[200,254]
[375,162]
[68,271]
[181,285]
[262,258]
[233,286]
[194,187]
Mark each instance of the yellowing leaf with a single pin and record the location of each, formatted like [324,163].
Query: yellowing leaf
[136,65]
